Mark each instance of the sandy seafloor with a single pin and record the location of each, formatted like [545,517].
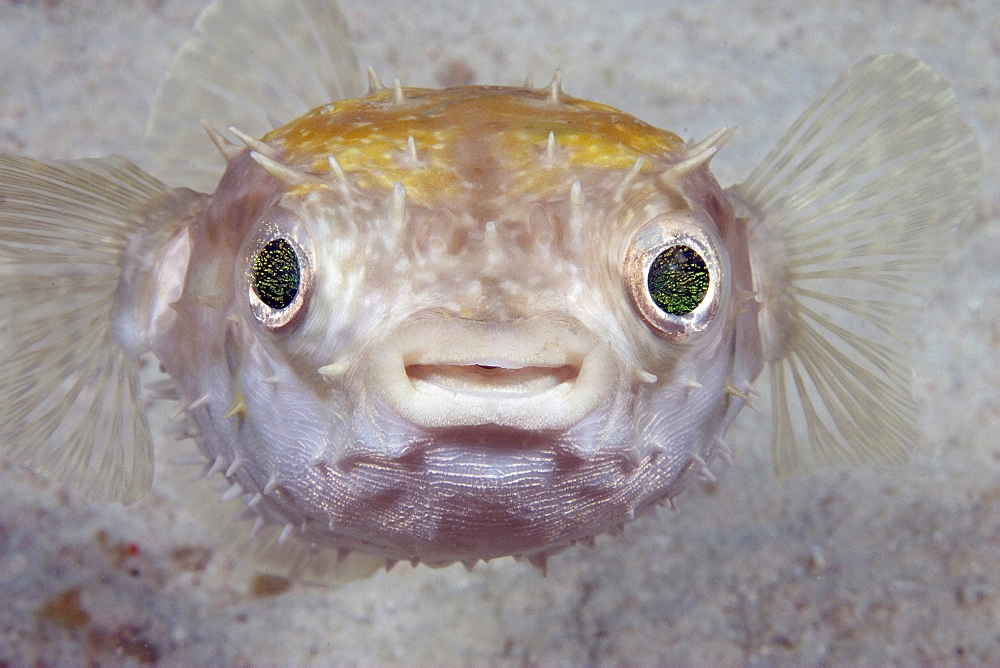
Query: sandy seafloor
[868,567]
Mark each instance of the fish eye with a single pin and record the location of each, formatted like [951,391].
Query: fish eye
[276,274]
[279,275]
[678,280]
[674,275]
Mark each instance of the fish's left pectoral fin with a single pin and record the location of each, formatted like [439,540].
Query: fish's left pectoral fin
[250,63]
[849,217]
[70,398]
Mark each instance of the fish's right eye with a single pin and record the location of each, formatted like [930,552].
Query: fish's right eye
[279,274]
[276,274]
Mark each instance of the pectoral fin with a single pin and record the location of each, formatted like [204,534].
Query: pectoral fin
[70,401]
[850,215]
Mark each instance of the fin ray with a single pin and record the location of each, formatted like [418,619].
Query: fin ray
[848,213]
[248,62]
[70,401]
[301,562]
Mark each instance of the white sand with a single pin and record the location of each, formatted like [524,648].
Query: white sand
[870,567]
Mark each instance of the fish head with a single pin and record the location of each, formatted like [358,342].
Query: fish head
[465,323]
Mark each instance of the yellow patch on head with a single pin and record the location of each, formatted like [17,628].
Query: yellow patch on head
[483,135]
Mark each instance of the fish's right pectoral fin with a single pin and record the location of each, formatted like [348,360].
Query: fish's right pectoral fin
[850,215]
[251,63]
[70,400]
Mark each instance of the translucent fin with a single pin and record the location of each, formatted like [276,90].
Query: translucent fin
[70,402]
[297,560]
[251,61]
[850,215]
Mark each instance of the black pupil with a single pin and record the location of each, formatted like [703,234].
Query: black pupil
[678,280]
[275,275]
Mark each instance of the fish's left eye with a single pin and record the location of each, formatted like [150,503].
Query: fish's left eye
[674,275]
[678,280]
[279,275]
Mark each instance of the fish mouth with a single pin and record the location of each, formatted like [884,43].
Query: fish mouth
[442,371]
[503,379]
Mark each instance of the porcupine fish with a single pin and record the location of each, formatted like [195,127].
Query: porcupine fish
[461,324]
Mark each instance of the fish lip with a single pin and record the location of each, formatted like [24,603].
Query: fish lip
[441,371]
[491,379]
